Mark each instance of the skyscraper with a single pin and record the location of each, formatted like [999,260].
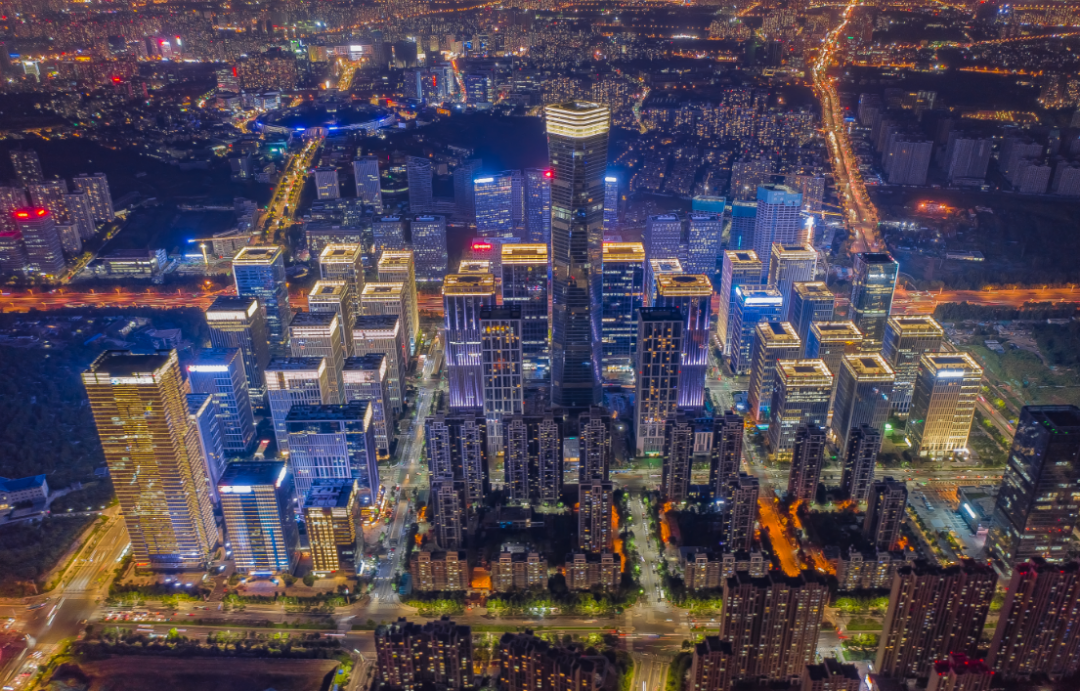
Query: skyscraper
[367,378]
[457,447]
[534,458]
[908,338]
[1036,509]
[712,668]
[330,518]
[778,219]
[96,187]
[742,268]
[863,395]
[41,238]
[237,322]
[153,457]
[398,266]
[411,656]
[260,519]
[860,458]
[13,260]
[464,190]
[725,458]
[653,270]
[810,301]
[383,334]
[333,442]
[529,663]
[703,242]
[623,291]
[872,288]
[886,506]
[418,172]
[11,198]
[327,185]
[204,416]
[429,246]
[463,296]
[800,396]
[344,263]
[943,406]
[525,285]
[773,341]
[500,350]
[259,271]
[678,453]
[449,512]
[368,182]
[790,264]
[692,296]
[659,358]
[388,232]
[537,200]
[27,166]
[594,439]
[664,239]
[743,220]
[294,381]
[595,534]
[495,202]
[577,147]
[390,298]
[740,510]
[80,214]
[830,341]
[318,335]
[611,201]
[334,297]
[752,306]
[933,611]
[807,457]
[220,373]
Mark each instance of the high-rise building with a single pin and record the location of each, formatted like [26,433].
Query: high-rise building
[237,322]
[496,197]
[294,381]
[741,268]
[333,442]
[429,247]
[153,457]
[440,571]
[810,301]
[659,358]
[220,373]
[906,340]
[830,341]
[383,334]
[368,182]
[500,350]
[203,415]
[611,202]
[740,509]
[967,158]
[334,297]
[393,299]
[664,238]
[703,242]
[534,458]
[1037,632]
[692,296]
[330,517]
[933,611]
[259,271]
[863,395]
[872,288]
[410,656]
[595,534]
[807,458]
[907,160]
[800,396]
[577,148]
[773,341]
[885,510]
[397,266]
[525,286]
[327,185]
[860,458]
[790,264]
[537,201]
[830,675]
[457,447]
[518,571]
[594,442]
[529,663]
[388,232]
[725,457]
[943,405]
[80,214]
[678,455]
[97,187]
[27,166]
[464,191]
[752,306]
[654,269]
[418,173]
[11,198]
[13,260]
[712,668]
[344,262]
[778,220]
[41,239]
[1036,509]
[623,292]
[449,512]
[773,623]
[257,502]
[367,378]
[463,297]
[318,335]
[743,220]
[960,673]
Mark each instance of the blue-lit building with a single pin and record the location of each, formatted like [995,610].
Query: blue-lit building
[663,240]
[704,235]
[463,297]
[752,305]
[779,219]
[691,295]
[237,322]
[537,202]
[220,372]
[259,272]
[257,502]
[495,203]
[334,442]
[525,285]
[623,291]
[611,201]
[429,248]
[740,269]
[706,204]
[743,219]
[204,416]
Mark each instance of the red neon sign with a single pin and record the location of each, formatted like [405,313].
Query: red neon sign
[549,173]
[22,214]
[481,245]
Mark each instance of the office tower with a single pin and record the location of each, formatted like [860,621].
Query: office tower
[807,457]
[1035,512]
[655,268]
[259,272]
[594,441]
[390,299]
[863,395]
[257,502]
[294,381]
[830,341]
[367,378]
[495,200]
[773,623]
[725,458]
[538,205]
[743,220]
[388,232]
[611,202]
[13,260]
[96,187]
[659,358]
[463,296]
[800,396]
[577,147]
[773,341]
[411,656]
[41,239]
[692,296]
[712,668]
[525,286]
[418,173]
[478,266]
[595,534]
[1037,632]
[500,350]
[220,373]
[703,246]
[905,341]
[203,415]
[429,247]
[383,334]
[778,220]
[831,675]
[318,335]
[810,301]
[741,268]
[933,611]
[368,182]
[678,454]
[752,306]
[740,506]
[330,518]
[335,442]
[80,214]
[327,185]
[27,166]
[334,297]
[872,287]
[457,447]
[449,512]
[860,458]
[943,405]
[663,239]
[534,458]
[397,266]
[153,457]
[344,263]
[237,322]
[960,673]
[886,504]
[623,291]
[529,663]
[464,190]
[790,264]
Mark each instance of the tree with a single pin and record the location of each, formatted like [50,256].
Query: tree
[309,579]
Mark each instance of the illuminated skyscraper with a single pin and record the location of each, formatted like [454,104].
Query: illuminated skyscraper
[740,510]
[534,458]
[830,341]
[752,305]
[154,458]
[725,457]
[429,246]
[703,242]
[463,297]
[330,518]
[294,382]
[388,232]
[537,200]
[595,534]
[333,442]
[27,166]
[411,656]
[383,334]
[810,301]
[743,220]
[398,266]
[11,198]
[457,447]
[791,264]
[237,322]
[594,439]
[741,268]
[885,510]
[863,395]
[334,297]
[51,195]
[41,238]
[860,458]
[664,239]
[449,512]
[344,263]
[773,341]
[577,147]
[97,187]
[392,299]
[678,454]
[692,296]
[906,340]
[495,203]
[220,373]
[327,185]
[807,458]
[464,191]
[525,285]
[260,518]
[204,416]
[259,271]
[777,221]
[366,378]
[623,291]
[500,348]
[418,172]
[80,214]
[653,270]
[800,396]
[659,358]
[368,183]
[872,288]
[611,201]
[943,406]
[13,260]
[318,335]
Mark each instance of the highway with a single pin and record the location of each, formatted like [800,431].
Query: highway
[283,204]
[924,302]
[64,298]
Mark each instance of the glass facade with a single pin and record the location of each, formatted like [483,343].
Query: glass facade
[259,272]
[623,292]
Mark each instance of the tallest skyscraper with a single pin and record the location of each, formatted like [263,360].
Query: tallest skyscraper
[577,146]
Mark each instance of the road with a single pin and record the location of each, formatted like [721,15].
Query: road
[650,672]
[924,302]
[282,205]
[62,298]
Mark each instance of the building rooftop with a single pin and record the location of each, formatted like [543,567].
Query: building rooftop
[258,254]
[624,252]
[325,290]
[794,251]
[296,364]
[340,253]
[753,296]
[804,372]
[395,259]
[124,363]
[777,334]
[383,324]
[329,494]
[383,291]
[233,307]
[869,367]
[356,410]
[504,312]
[469,284]
[742,257]
[876,258]
[525,253]
[836,331]
[367,363]
[950,364]
[666,266]
[215,357]
[22,483]
[810,290]
[474,266]
[917,324]
[683,285]
[660,314]
[320,320]
[252,474]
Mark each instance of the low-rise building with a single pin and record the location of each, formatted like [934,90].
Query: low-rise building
[439,571]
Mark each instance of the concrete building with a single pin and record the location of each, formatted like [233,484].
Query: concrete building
[449,510]
[778,220]
[429,247]
[943,406]
[463,297]
[327,185]
[872,288]
[807,458]
[885,511]
[457,447]
[334,442]
[860,458]
[334,297]
[659,358]
[525,286]
[238,322]
[345,263]
[318,335]
[595,534]
[220,373]
[800,396]
[810,302]
[415,656]
[367,378]
[41,241]
[259,272]
[790,264]
[752,306]
[397,266]
[906,340]
[368,181]
[863,395]
[534,458]
[383,334]
[500,348]
[692,296]
[623,295]
[773,341]
[678,454]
